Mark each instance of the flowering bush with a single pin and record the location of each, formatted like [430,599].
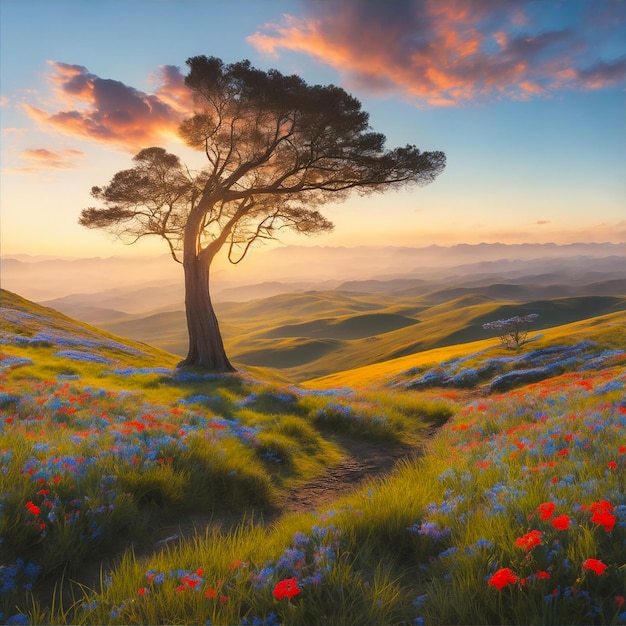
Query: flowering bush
[512,331]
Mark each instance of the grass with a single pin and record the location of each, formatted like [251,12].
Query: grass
[509,516]
[425,545]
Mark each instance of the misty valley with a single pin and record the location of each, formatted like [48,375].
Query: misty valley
[305,328]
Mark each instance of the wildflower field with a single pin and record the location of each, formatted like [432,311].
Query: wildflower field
[514,513]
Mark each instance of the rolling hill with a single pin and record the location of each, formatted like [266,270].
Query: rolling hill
[380,303]
[297,333]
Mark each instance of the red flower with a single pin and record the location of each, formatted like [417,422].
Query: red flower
[563,452]
[561,522]
[503,577]
[142,591]
[604,518]
[223,599]
[602,506]
[612,465]
[210,593]
[529,540]
[287,588]
[546,510]
[543,574]
[595,565]
[33,508]
[189,581]
[619,600]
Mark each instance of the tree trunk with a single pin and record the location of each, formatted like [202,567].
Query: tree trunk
[206,349]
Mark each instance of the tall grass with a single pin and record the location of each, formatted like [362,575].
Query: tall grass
[516,512]
[495,524]
[100,442]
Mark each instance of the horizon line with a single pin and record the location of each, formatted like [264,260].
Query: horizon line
[10,255]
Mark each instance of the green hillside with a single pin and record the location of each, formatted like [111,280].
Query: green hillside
[296,334]
[28,320]
[133,493]
[606,331]
[450,323]
[354,327]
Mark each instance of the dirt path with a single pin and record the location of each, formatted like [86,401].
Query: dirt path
[362,461]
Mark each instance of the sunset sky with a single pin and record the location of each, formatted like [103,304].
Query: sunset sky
[525,98]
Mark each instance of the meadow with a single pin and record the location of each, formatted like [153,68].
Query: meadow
[512,510]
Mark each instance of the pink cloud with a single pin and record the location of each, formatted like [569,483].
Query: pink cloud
[109,111]
[603,74]
[446,52]
[41,158]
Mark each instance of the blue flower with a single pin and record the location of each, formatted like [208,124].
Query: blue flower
[430,529]
[131,371]
[196,399]
[301,539]
[32,571]
[77,355]
[449,552]
[483,543]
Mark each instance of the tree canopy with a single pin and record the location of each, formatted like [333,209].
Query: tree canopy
[276,148]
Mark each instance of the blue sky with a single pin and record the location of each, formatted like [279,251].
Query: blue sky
[525,98]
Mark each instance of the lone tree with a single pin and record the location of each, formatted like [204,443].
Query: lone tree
[276,150]
[512,331]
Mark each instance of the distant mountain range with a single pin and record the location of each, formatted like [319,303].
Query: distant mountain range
[289,268]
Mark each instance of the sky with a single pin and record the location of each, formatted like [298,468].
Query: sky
[526,98]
